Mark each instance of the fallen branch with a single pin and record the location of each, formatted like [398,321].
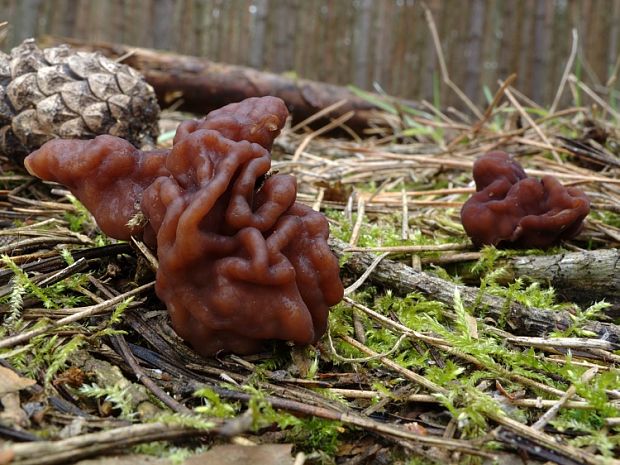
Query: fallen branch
[520,319]
[204,85]
[88,445]
[585,276]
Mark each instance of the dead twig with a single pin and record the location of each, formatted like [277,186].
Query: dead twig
[91,444]
[85,312]
[520,318]
[142,377]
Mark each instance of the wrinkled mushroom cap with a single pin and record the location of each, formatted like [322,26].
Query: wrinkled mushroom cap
[511,209]
[239,260]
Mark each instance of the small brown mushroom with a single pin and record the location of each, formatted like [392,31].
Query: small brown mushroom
[513,210]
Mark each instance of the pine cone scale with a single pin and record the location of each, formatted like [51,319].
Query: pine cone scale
[60,92]
[51,78]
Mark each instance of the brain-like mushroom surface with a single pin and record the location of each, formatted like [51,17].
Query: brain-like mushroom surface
[511,209]
[108,174]
[239,260]
[255,119]
[237,265]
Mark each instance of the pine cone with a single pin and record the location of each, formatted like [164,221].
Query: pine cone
[61,92]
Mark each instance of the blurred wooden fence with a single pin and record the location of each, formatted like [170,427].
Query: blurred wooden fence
[363,42]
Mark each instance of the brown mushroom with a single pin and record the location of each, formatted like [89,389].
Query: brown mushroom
[239,260]
[511,209]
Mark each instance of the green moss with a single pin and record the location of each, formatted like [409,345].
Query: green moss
[214,406]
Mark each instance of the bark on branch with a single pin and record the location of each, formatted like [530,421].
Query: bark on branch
[520,319]
[584,277]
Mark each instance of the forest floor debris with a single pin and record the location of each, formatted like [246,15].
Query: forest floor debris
[439,353]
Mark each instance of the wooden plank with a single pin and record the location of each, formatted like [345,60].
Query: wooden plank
[361,44]
[383,42]
[200,27]
[600,32]
[24,20]
[508,27]
[285,35]
[307,33]
[614,39]
[258,29]
[525,56]
[396,68]
[559,43]
[244,32]
[453,35]
[473,50]
[217,31]
[490,48]
[83,18]
[354,41]
[542,23]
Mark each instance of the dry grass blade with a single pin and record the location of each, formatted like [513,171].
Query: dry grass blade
[318,115]
[78,315]
[570,392]
[567,70]
[409,248]
[573,79]
[328,127]
[421,380]
[88,445]
[442,64]
[533,124]
[445,346]
[564,342]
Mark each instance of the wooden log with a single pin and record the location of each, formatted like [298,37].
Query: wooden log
[596,272]
[519,319]
[583,277]
[204,85]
